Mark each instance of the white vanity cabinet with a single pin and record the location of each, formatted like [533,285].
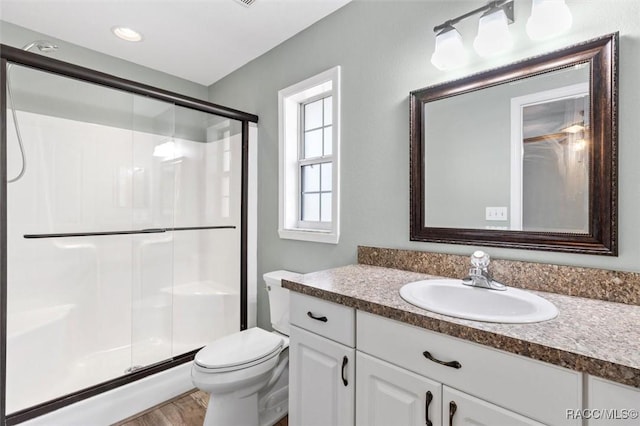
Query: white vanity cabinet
[321,363]
[611,403]
[349,366]
[538,392]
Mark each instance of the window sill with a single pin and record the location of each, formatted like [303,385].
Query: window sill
[318,236]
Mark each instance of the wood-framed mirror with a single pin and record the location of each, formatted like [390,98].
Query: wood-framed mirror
[522,156]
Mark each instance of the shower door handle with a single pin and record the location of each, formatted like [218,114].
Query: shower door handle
[127,232]
[97,233]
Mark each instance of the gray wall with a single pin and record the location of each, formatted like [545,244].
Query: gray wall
[384,49]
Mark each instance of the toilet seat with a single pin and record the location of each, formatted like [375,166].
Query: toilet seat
[239,351]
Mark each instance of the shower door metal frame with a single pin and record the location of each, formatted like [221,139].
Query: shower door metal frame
[16,56]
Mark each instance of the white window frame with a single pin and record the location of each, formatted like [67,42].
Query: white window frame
[290,226]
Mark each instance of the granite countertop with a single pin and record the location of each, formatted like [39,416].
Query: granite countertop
[588,335]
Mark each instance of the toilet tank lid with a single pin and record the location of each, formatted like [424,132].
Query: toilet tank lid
[276,277]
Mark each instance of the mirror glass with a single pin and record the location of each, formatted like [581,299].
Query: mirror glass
[522,156]
[516,156]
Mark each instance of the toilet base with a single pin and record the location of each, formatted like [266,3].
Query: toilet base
[232,411]
[273,403]
[264,408]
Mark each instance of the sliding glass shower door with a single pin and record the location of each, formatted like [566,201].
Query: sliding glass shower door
[151,179]
[208,172]
[123,245]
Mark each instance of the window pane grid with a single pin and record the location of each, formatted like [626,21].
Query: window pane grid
[315,190]
[316,206]
[315,162]
[316,126]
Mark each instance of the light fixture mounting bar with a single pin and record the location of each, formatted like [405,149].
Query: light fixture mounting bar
[506,5]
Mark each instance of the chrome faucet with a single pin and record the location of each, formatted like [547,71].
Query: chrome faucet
[479,275]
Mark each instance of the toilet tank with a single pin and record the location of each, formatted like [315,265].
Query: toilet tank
[279,299]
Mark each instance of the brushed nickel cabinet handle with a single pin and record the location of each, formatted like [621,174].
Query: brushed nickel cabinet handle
[452,364]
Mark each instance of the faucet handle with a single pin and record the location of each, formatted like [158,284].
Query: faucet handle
[480,259]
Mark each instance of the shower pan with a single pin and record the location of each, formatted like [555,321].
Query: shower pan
[124,248]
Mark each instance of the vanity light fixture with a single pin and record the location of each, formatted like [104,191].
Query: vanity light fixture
[493,35]
[127,34]
[549,18]
[493,32]
[450,52]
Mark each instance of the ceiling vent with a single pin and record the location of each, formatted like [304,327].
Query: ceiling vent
[246,3]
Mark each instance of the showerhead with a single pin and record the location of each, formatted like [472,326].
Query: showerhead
[45,47]
[42,45]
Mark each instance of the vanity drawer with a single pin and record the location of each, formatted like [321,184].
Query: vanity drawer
[538,390]
[328,319]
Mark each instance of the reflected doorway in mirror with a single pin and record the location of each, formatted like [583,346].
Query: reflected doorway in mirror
[550,159]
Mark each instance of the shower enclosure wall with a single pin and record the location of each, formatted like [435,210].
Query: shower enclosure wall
[124,245]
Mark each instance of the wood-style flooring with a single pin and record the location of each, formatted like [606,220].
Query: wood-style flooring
[186,410]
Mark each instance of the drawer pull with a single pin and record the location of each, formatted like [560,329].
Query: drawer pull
[323,318]
[452,364]
[453,407]
[426,408]
[345,360]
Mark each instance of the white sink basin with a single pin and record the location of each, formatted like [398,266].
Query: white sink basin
[451,297]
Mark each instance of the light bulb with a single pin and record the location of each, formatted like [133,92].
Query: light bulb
[493,34]
[549,18]
[579,145]
[167,151]
[449,52]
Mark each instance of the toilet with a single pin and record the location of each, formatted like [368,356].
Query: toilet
[246,373]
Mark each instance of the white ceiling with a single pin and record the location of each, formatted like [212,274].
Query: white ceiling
[198,40]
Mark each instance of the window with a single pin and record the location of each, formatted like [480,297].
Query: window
[309,153]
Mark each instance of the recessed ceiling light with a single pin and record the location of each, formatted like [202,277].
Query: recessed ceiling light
[126,34]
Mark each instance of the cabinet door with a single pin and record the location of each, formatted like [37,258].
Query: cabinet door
[389,395]
[321,381]
[460,409]
[610,403]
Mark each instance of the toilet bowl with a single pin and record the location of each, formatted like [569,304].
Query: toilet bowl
[246,373]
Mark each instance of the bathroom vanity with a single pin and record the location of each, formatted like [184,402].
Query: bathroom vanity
[359,354]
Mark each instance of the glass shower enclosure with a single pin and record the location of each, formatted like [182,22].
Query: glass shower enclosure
[125,247]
